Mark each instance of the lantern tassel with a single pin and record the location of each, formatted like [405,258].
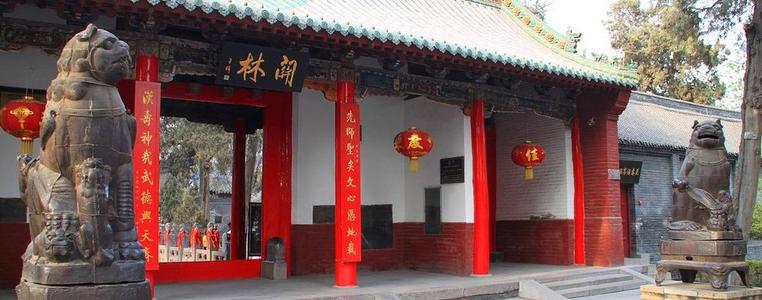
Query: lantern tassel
[27,147]
[413,165]
[529,173]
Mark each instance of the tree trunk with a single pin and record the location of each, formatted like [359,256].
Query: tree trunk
[205,190]
[745,191]
[253,142]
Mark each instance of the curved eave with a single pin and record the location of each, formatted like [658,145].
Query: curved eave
[303,22]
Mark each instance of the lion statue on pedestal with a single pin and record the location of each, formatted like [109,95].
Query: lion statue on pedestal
[80,190]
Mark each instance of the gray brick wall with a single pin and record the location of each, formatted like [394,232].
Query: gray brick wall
[651,202]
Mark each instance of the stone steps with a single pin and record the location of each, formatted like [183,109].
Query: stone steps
[598,289]
[588,281]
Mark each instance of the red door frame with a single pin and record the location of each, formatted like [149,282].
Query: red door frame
[276,189]
[625,209]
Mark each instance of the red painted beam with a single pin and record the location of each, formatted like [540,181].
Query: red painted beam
[481,192]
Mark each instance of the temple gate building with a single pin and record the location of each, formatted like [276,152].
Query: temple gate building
[330,84]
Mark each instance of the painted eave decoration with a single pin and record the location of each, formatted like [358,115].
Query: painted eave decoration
[496,31]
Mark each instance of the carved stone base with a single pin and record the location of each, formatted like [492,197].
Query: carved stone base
[133,290]
[687,291]
[40,272]
[717,272]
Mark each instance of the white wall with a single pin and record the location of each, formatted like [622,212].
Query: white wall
[31,67]
[552,190]
[385,179]
[314,157]
[451,132]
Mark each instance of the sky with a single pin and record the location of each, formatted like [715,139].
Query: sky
[584,17]
[587,17]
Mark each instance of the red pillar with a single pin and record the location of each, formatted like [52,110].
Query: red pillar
[579,195]
[347,225]
[598,114]
[491,130]
[142,97]
[481,194]
[238,205]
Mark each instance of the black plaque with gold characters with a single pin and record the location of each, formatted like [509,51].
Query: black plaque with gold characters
[262,68]
[629,171]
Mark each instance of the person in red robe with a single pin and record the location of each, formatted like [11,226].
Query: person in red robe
[167,233]
[216,237]
[210,236]
[180,239]
[195,236]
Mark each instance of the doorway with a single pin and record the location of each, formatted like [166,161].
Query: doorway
[626,196]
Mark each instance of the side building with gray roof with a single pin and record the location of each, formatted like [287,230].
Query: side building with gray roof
[656,131]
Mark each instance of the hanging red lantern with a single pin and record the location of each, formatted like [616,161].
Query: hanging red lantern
[528,155]
[413,143]
[21,118]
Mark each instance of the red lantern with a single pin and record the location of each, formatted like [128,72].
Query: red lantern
[21,118]
[413,143]
[528,155]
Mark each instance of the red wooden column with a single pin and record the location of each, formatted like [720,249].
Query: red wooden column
[491,130]
[481,194]
[238,205]
[142,96]
[347,226]
[598,114]
[579,195]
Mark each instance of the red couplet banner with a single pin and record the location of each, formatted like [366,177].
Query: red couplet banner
[348,219]
[145,163]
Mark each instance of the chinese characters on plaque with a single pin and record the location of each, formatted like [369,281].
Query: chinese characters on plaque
[262,68]
[348,203]
[146,167]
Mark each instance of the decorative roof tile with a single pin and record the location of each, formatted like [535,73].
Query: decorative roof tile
[499,31]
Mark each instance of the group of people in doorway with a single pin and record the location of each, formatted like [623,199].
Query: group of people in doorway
[175,235]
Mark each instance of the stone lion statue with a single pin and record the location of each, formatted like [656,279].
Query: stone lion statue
[701,198]
[80,190]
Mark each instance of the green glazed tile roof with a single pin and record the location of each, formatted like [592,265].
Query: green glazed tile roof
[502,33]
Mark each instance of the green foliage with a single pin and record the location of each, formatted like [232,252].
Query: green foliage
[668,44]
[755,272]
[190,152]
[756,223]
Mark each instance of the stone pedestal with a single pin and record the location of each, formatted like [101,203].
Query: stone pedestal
[704,291]
[132,290]
[275,270]
[716,258]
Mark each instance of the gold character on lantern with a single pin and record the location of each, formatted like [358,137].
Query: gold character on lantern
[414,142]
[286,71]
[250,68]
[532,155]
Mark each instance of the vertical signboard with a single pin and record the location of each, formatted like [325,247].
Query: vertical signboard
[145,163]
[348,182]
